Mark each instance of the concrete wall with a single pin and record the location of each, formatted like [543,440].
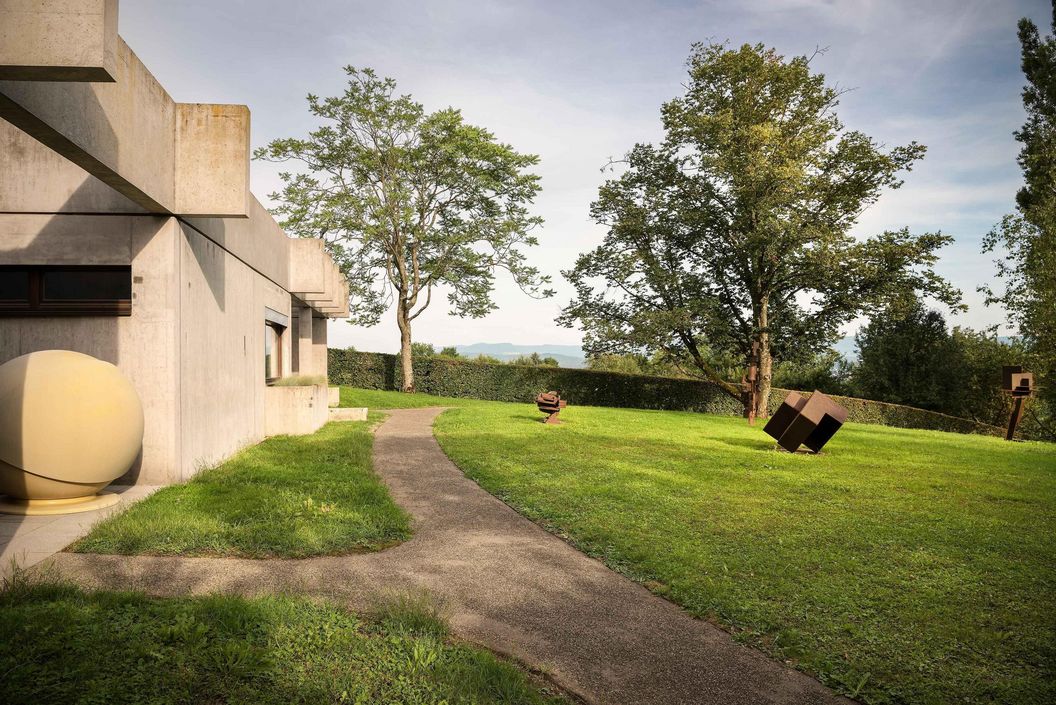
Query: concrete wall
[58,40]
[35,179]
[143,345]
[221,365]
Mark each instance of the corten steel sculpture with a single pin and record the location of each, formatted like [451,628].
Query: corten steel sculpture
[810,422]
[750,385]
[1020,385]
[551,404]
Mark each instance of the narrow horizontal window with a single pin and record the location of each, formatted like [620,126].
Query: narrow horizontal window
[46,290]
[14,285]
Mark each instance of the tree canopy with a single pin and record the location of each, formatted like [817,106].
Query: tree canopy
[1027,239]
[736,228]
[408,202]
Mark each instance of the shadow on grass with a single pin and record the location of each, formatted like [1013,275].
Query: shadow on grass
[222,648]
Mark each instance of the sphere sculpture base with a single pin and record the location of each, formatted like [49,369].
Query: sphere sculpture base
[48,507]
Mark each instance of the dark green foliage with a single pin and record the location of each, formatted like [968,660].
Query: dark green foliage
[827,371]
[59,644]
[499,382]
[1027,239]
[906,356]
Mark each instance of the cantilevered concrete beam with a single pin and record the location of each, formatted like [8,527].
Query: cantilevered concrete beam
[58,40]
[167,157]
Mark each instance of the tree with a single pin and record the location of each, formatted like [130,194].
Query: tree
[535,360]
[1028,237]
[450,352]
[828,371]
[907,356]
[736,228]
[407,202]
[980,355]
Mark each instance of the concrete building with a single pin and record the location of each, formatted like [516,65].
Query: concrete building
[128,232]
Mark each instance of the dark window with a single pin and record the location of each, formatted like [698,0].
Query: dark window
[46,290]
[14,285]
[86,285]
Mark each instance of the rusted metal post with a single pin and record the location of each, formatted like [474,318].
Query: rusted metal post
[1019,385]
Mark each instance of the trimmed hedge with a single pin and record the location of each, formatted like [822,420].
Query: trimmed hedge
[520,383]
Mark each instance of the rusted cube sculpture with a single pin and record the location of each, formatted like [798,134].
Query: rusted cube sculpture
[551,404]
[810,422]
[1019,385]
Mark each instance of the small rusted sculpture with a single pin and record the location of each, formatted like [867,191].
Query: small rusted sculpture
[551,404]
[810,422]
[1019,385]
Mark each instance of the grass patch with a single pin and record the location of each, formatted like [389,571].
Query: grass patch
[59,644]
[899,566]
[289,496]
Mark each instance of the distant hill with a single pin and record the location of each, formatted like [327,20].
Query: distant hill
[566,355]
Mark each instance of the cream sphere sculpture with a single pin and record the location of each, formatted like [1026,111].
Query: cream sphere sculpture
[69,426]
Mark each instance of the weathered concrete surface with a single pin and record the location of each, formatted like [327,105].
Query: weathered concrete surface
[123,133]
[58,40]
[168,158]
[348,413]
[212,159]
[294,411]
[508,584]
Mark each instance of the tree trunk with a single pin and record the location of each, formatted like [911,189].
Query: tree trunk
[407,361]
[766,362]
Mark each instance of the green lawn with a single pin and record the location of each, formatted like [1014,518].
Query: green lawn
[904,566]
[290,496]
[59,644]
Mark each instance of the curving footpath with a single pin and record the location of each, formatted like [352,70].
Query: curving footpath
[507,584]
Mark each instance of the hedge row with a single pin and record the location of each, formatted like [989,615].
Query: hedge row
[520,383]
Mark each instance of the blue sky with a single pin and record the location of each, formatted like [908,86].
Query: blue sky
[578,82]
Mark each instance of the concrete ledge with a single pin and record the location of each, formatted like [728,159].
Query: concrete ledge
[294,411]
[349,414]
[71,40]
[333,396]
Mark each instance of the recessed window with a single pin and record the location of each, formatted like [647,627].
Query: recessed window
[65,290]
[272,351]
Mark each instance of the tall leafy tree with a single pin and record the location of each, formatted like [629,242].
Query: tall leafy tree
[1028,237]
[736,229]
[408,202]
[907,356]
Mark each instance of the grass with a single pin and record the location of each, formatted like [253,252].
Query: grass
[289,496]
[899,566]
[59,644]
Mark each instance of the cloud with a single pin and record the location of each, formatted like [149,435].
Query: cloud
[582,81]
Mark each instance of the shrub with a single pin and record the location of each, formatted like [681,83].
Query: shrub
[520,383]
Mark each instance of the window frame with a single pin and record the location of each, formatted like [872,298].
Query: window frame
[38,305]
[276,352]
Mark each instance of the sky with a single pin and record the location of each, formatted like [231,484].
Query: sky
[580,81]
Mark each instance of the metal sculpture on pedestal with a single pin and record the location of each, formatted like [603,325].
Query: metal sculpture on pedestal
[810,422]
[750,384]
[1020,385]
[551,404]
